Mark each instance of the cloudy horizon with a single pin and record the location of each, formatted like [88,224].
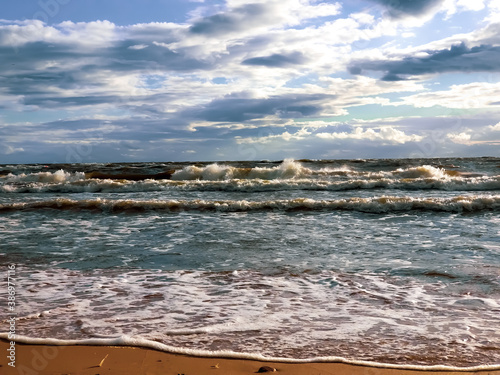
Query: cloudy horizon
[86,81]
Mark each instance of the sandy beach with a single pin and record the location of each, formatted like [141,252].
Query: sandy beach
[100,360]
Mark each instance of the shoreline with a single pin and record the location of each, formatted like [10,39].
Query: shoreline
[87,359]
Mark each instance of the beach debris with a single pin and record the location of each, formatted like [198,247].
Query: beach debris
[216,366]
[267,369]
[100,364]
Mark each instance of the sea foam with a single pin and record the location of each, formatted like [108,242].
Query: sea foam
[143,343]
[382,204]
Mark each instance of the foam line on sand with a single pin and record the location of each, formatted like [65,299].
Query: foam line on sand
[42,356]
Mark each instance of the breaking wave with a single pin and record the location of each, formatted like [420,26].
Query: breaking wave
[372,205]
[289,175]
[73,185]
[287,170]
[58,177]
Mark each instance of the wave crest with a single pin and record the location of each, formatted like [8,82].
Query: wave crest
[58,177]
[372,205]
[424,171]
[288,169]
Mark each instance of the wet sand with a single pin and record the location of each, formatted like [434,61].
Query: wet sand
[113,360]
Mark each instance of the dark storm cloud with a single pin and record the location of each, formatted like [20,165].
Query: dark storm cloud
[236,20]
[402,8]
[231,109]
[458,58]
[277,60]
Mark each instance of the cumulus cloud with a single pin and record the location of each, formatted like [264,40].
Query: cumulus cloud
[495,127]
[340,132]
[302,133]
[384,135]
[454,6]
[461,138]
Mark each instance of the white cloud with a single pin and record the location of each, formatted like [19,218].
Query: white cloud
[495,127]
[285,136]
[454,6]
[474,5]
[482,135]
[242,18]
[472,95]
[235,68]
[494,10]
[138,46]
[461,138]
[70,34]
[384,135]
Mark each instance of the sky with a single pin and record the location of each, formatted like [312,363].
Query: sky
[209,80]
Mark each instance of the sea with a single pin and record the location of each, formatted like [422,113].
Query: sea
[392,261]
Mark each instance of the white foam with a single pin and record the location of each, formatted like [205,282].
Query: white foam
[382,204]
[288,169]
[424,171]
[143,343]
[218,178]
[195,308]
[57,177]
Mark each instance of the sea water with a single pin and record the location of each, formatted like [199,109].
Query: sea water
[393,261]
